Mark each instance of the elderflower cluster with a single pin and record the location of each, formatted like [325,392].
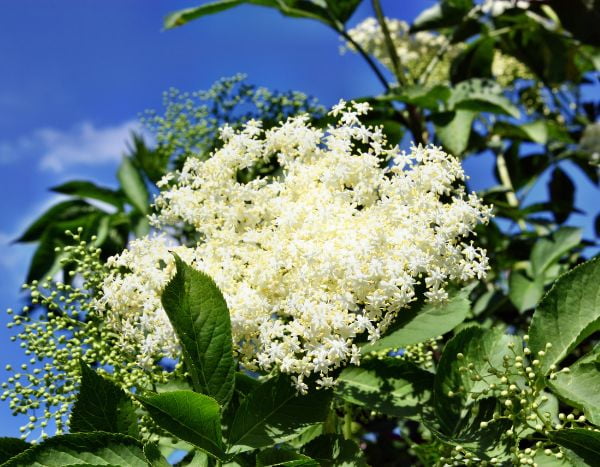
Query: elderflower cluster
[416,52]
[329,248]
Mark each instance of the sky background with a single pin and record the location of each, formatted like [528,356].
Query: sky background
[77,73]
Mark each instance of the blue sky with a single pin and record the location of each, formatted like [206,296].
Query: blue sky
[76,74]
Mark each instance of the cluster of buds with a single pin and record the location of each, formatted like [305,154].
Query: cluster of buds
[531,411]
[61,328]
[421,354]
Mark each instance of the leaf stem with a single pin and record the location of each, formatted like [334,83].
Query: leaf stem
[506,181]
[347,428]
[389,43]
[342,31]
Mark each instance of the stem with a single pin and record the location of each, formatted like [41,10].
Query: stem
[511,197]
[364,55]
[347,428]
[389,43]
[330,423]
[415,119]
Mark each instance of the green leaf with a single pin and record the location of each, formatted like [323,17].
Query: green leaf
[10,447]
[153,456]
[524,292]
[193,417]
[343,9]
[536,131]
[453,128]
[485,442]
[562,195]
[568,314]
[391,386]
[335,451]
[200,318]
[45,258]
[584,443]
[475,61]
[547,251]
[481,95]
[102,406]
[480,348]
[281,456]
[65,211]
[85,189]
[95,448]
[579,386]
[132,184]
[294,8]
[421,96]
[274,412]
[443,14]
[152,162]
[423,321]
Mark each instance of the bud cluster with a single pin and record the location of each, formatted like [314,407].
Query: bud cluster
[60,328]
[533,412]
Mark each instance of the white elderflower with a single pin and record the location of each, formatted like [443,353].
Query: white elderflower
[414,51]
[330,249]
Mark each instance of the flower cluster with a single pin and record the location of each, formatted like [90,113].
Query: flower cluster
[415,51]
[418,51]
[331,247]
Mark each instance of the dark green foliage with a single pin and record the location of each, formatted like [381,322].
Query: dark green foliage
[102,406]
[96,448]
[199,315]
[273,412]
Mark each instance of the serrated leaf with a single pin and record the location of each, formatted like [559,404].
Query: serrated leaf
[95,448]
[422,322]
[480,348]
[10,447]
[199,315]
[274,412]
[193,417]
[132,184]
[568,313]
[584,443]
[334,451]
[285,457]
[390,386]
[579,387]
[86,189]
[102,406]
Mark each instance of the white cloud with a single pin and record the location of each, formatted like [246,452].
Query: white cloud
[83,144]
